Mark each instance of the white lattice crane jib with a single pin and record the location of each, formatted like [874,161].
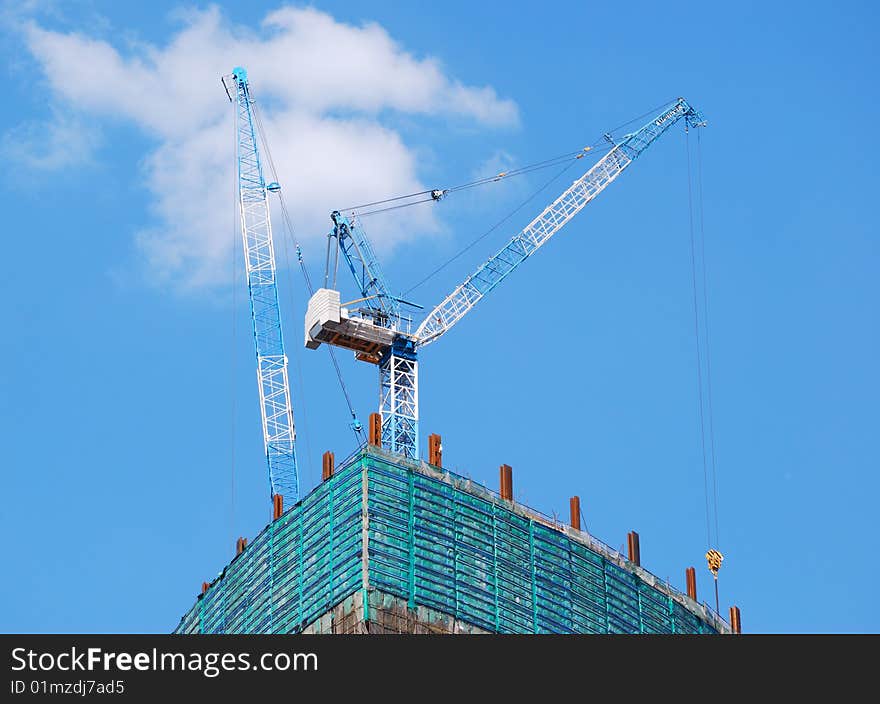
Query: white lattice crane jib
[379,333]
[259,253]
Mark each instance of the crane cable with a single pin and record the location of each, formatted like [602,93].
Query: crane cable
[546,163]
[524,169]
[706,334]
[301,404]
[697,337]
[488,232]
[290,232]
[434,194]
[232,376]
[714,557]
[652,111]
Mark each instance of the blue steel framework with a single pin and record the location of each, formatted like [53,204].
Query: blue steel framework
[435,542]
[256,230]
[398,366]
[364,267]
[398,362]
[399,398]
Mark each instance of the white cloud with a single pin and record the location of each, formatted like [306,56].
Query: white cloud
[61,141]
[322,85]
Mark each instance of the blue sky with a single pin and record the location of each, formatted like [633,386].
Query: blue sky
[132,449]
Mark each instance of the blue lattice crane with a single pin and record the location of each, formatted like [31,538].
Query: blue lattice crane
[377,331]
[279,433]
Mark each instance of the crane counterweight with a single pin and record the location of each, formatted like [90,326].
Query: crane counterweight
[330,322]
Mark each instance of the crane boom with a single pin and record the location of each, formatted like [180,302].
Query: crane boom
[256,232]
[467,294]
[373,335]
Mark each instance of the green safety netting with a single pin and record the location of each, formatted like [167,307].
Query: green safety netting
[443,544]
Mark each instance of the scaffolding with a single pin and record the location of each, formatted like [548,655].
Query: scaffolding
[388,545]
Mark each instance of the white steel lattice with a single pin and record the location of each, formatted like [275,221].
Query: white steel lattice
[399,404]
[256,231]
[548,223]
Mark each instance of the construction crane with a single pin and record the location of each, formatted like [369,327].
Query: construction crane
[279,434]
[379,332]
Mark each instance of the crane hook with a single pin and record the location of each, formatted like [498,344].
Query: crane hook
[714,558]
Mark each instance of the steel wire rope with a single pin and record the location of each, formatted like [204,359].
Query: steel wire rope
[714,468]
[356,426]
[546,163]
[652,111]
[503,176]
[496,177]
[489,231]
[486,179]
[236,234]
[302,409]
[697,336]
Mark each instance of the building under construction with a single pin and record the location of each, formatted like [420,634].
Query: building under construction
[386,545]
[389,543]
